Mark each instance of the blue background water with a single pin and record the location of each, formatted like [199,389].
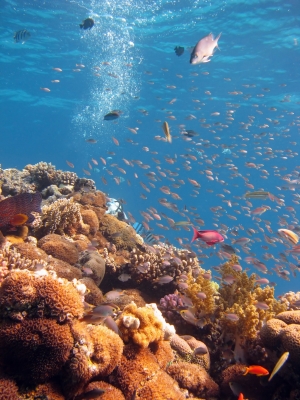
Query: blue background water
[259,47]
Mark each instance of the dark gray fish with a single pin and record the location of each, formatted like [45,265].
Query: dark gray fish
[179,51]
[91,141]
[229,249]
[21,36]
[87,23]
[111,115]
[91,394]
[190,133]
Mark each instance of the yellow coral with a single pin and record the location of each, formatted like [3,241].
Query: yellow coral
[140,324]
[240,298]
[201,284]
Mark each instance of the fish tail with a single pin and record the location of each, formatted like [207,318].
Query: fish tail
[195,235]
[81,26]
[217,38]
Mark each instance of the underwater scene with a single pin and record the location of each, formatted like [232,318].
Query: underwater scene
[149,200]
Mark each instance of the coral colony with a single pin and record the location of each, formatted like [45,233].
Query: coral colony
[89,310]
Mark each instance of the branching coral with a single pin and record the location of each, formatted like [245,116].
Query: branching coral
[206,305]
[240,298]
[63,217]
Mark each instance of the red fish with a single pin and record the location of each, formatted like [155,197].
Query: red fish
[14,210]
[241,396]
[256,370]
[209,237]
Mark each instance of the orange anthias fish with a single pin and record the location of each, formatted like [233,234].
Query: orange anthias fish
[256,370]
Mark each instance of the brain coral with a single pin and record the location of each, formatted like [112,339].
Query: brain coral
[118,232]
[34,350]
[23,294]
[59,247]
[194,378]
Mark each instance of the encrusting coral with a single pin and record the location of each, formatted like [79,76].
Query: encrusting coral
[59,247]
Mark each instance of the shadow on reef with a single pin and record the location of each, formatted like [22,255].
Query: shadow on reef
[88,310]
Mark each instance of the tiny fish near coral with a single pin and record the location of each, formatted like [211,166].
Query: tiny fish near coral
[256,370]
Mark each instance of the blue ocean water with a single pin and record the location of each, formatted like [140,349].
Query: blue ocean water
[246,99]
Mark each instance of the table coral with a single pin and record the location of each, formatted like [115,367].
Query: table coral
[140,325]
[34,350]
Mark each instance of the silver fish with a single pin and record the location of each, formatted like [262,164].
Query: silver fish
[204,49]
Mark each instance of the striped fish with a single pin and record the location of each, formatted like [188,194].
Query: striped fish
[21,36]
[146,235]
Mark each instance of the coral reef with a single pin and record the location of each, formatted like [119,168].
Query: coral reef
[140,325]
[194,378]
[8,389]
[34,350]
[118,232]
[92,262]
[59,247]
[62,217]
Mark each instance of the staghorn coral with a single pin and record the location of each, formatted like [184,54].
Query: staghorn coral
[34,350]
[25,295]
[118,232]
[59,247]
[140,325]
[62,217]
[194,378]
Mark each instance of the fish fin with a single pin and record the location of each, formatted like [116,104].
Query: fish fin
[210,243]
[196,235]
[247,369]
[205,59]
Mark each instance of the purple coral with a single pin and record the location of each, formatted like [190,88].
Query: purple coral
[170,305]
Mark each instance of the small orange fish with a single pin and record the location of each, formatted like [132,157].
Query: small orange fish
[241,396]
[256,370]
[18,219]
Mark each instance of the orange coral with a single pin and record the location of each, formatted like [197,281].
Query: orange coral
[194,378]
[8,390]
[140,375]
[22,294]
[140,325]
[59,247]
[34,350]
